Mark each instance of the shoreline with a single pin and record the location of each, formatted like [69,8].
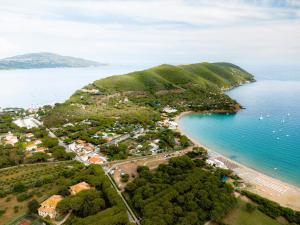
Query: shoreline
[257,182]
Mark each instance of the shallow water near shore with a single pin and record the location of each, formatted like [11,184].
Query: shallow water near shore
[264,136]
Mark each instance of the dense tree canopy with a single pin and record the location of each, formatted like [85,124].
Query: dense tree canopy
[181,192]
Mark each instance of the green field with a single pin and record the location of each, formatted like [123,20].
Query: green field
[240,216]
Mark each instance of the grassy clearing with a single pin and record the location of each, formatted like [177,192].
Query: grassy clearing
[240,216]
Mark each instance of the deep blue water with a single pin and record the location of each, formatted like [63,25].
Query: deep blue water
[270,145]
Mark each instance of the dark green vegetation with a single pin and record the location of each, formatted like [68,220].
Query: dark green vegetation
[185,191]
[21,187]
[273,209]
[138,97]
[101,205]
[44,60]
[25,183]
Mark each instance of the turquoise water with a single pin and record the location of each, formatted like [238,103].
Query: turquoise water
[271,144]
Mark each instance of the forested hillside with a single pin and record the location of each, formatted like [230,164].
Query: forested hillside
[138,97]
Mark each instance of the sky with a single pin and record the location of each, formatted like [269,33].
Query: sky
[154,32]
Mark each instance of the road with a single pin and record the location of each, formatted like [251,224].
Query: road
[130,211]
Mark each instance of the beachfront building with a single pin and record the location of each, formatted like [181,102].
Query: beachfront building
[168,109]
[217,163]
[168,123]
[48,207]
[10,139]
[75,189]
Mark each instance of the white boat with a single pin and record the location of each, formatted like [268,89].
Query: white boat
[261,117]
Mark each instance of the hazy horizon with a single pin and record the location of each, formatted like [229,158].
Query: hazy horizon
[244,32]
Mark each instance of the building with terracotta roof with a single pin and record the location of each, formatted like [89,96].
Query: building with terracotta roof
[96,159]
[75,189]
[48,207]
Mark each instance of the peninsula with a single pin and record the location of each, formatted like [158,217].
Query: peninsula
[44,60]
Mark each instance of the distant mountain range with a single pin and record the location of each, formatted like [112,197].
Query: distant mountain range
[44,60]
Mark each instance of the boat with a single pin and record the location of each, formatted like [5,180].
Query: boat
[261,117]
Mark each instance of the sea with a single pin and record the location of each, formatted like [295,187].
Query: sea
[31,88]
[265,135]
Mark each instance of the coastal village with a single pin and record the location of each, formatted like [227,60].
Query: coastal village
[120,146]
[142,145]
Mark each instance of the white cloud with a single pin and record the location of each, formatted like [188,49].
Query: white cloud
[153,31]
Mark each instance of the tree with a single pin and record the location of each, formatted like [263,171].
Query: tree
[125,178]
[33,205]
[250,207]
[49,142]
[39,157]
[19,187]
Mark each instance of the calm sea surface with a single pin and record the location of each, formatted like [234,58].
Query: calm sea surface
[37,87]
[264,136]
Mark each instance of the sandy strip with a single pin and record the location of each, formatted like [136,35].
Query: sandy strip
[284,193]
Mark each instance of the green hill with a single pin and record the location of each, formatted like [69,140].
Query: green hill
[166,77]
[140,96]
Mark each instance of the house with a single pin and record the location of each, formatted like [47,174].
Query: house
[81,146]
[48,207]
[168,123]
[96,159]
[10,139]
[29,135]
[75,189]
[153,148]
[168,109]
[34,145]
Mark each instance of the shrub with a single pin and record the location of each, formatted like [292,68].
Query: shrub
[250,207]
[19,187]
[33,205]
[125,178]
[23,197]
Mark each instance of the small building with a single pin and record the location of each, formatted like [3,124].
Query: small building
[154,148]
[96,159]
[75,189]
[168,109]
[10,139]
[34,145]
[48,207]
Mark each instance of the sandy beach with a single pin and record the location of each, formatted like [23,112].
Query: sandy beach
[276,190]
